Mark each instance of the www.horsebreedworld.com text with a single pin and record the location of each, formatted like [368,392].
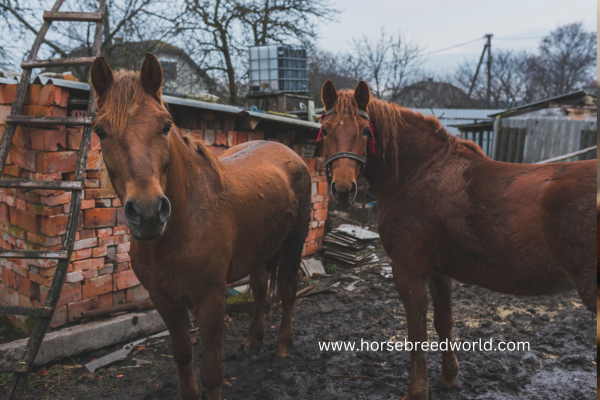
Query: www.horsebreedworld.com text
[480,345]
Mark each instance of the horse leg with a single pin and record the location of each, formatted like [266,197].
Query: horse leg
[256,331]
[210,315]
[587,287]
[441,292]
[291,254]
[178,322]
[412,287]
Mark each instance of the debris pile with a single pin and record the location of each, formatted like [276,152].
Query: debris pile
[351,246]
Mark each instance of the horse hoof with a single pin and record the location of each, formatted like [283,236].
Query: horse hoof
[445,383]
[283,353]
[251,350]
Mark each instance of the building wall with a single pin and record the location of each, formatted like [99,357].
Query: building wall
[187,79]
[100,274]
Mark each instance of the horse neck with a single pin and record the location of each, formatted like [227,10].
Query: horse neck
[417,143]
[193,185]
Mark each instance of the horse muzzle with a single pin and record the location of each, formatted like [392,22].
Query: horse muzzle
[344,195]
[147,219]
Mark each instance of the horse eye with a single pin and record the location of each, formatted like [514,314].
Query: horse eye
[166,129]
[366,132]
[324,131]
[101,134]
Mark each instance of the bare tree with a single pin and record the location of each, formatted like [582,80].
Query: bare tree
[404,65]
[219,31]
[19,20]
[510,86]
[373,56]
[210,27]
[323,66]
[387,63]
[278,21]
[566,60]
[129,20]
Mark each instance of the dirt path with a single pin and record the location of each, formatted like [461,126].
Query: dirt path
[560,365]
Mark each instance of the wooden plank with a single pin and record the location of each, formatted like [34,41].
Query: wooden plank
[48,121]
[59,62]
[521,133]
[73,16]
[49,185]
[567,156]
[34,254]
[29,311]
[511,152]
[18,367]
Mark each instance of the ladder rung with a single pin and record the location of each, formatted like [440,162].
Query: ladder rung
[48,185]
[73,16]
[29,311]
[59,62]
[78,102]
[34,254]
[19,366]
[49,121]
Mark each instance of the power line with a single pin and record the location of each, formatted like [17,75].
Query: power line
[451,47]
[521,38]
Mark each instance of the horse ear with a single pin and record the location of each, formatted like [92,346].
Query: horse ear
[329,95]
[102,76]
[151,75]
[362,95]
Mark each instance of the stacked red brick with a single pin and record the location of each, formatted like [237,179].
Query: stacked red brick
[100,274]
[314,240]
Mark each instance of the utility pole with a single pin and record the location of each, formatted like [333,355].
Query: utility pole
[487,47]
[489,68]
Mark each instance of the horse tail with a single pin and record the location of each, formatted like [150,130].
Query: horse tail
[272,268]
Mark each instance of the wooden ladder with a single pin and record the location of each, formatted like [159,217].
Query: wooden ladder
[21,368]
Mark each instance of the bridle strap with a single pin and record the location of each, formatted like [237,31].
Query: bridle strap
[346,154]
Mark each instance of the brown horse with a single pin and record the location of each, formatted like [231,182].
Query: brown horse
[446,211]
[199,222]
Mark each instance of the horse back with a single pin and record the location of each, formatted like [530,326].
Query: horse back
[268,197]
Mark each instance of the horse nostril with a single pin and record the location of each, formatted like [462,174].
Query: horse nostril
[334,191]
[131,213]
[164,209]
[353,190]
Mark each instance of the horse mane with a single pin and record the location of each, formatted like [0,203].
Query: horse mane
[391,120]
[196,145]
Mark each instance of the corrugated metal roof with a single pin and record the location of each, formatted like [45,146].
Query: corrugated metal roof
[457,116]
[186,102]
[541,104]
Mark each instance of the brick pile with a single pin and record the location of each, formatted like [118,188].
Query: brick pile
[100,274]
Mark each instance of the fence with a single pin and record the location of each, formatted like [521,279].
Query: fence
[532,140]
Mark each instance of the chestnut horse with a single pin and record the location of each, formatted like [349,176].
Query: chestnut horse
[446,211]
[198,221]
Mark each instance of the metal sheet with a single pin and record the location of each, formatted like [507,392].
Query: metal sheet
[357,232]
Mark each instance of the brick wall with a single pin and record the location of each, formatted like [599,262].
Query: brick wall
[100,274]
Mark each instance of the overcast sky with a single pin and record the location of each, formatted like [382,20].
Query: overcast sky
[436,24]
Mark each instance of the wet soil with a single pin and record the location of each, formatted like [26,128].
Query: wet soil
[561,362]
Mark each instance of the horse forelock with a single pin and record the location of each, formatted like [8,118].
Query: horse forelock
[122,100]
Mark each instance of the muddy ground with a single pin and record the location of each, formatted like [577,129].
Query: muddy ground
[560,365]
